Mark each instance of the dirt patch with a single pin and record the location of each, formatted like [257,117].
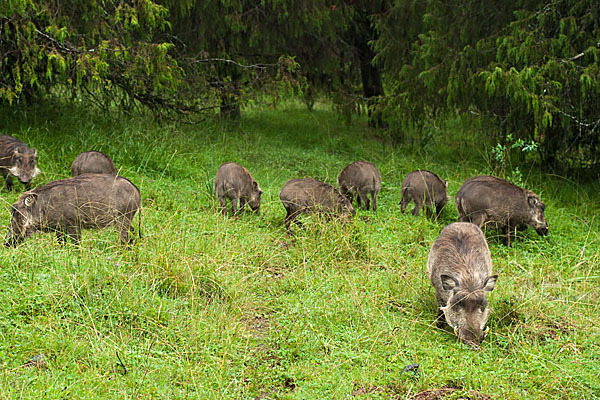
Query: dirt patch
[258,325]
[362,389]
[558,327]
[458,394]
[391,391]
[550,329]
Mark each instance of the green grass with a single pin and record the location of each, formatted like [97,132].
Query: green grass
[212,307]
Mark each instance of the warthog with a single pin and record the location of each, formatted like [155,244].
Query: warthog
[424,187]
[88,201]
[360,178]
[235,183]
[18,160]
[494,202]
[93,162]
[312,196]
[460,269]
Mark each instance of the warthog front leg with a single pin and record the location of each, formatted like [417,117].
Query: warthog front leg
[127,232]
[365,198]
[234,205]
[418,206]
[374,198]
[223,205]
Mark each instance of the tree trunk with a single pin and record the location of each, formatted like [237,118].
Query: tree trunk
[370,75]
[230,108]
[372,86]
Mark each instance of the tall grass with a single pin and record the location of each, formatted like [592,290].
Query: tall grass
[206,306]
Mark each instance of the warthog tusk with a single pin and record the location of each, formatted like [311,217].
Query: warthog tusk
[486,331]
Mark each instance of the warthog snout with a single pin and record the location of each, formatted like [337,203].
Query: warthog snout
[472,337]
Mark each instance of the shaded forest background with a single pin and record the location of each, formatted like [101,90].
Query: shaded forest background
[529,68]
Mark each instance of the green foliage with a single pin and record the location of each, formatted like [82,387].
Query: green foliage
[530,65]
[238,46]
[103,51]
[170,56]
[501,153]
[214,307]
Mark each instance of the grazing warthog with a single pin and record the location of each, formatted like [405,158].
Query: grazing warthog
[312,196]
[424,187]
[235,183]
[489,201]
[460,269]
[360,178]
[18,160]
[88,201]
[93,162]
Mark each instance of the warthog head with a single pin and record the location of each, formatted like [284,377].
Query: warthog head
[536,213]
[24,165]
[467,310]
[21,221]
[254,201]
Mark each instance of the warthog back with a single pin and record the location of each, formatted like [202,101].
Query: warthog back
[93,162]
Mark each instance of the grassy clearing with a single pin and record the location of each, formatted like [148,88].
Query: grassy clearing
[211,307]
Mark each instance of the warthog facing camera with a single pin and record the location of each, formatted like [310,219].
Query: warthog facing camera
[18,160]
[460,269]
[312,196]
[88,201]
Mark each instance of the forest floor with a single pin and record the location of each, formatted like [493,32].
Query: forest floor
[213,307]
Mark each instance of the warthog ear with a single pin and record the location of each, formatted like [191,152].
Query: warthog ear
[532,200]
[448,282]
[35,153]
[256,187]
[30,199]
[489,283]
